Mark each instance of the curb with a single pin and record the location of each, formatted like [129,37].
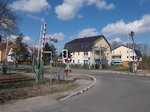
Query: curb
[128,73]
[81,91]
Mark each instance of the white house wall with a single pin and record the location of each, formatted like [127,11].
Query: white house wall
[126,53]
[9,59]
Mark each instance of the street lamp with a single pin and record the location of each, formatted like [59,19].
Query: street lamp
[131,34]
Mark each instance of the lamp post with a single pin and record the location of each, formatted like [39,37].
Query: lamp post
[131,34]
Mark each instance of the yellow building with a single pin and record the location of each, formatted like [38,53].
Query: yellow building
[89,50]
[123,54]
[2,51]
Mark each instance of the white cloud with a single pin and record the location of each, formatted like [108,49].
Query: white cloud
[88,32]
[58,36]
[101,4]
[117,40]
[31,6]
[69,8]
[12,37]
[26,38]
[120,28]
[41,19]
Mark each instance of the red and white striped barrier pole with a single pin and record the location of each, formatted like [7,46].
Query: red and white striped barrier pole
[43,42]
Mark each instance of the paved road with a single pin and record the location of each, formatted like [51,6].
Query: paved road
[112,93]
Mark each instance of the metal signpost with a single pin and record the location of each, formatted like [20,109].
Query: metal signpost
[51,75]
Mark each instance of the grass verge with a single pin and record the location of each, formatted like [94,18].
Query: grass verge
[21,90]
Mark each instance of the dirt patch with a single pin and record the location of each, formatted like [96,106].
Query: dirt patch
[36,89]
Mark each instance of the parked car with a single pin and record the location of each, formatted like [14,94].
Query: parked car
[117,63]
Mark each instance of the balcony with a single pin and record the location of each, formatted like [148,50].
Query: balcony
[98,57]
[116,60]
[85,56]
[116,54]
[98,48]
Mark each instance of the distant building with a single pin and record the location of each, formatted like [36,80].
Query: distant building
[14,48]
[10,49]
[123,54]
[2,51]
[89,50]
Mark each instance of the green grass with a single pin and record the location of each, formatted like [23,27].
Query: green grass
[16,85]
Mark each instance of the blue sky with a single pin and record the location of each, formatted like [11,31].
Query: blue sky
[71,19]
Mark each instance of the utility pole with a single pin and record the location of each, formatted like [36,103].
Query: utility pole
[131,34]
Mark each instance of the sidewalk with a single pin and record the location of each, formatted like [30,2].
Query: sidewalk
[39,101]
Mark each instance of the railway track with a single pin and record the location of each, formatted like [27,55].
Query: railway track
[15,78]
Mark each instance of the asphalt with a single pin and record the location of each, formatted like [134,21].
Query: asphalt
[113,92]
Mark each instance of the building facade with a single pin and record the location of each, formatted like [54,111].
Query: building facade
[125,54]
[89,50]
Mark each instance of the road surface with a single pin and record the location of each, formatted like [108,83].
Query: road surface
[112,93]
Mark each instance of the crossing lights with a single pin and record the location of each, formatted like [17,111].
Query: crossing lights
[66,54]
[69,54]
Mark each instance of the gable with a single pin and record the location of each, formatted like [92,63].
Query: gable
[102,42]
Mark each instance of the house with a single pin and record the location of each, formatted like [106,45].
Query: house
[2,51]
[89,50]
[123,54]
[10,48]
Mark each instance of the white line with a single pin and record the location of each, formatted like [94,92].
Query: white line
[83,90]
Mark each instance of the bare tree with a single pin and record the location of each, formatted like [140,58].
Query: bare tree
[115,44]
[8,20]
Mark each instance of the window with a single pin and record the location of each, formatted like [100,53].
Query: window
[78,53]
[85,53]
[73,61]
[85,61]
[127,56]
[78,61]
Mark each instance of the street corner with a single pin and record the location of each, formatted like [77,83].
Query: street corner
[85,82]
